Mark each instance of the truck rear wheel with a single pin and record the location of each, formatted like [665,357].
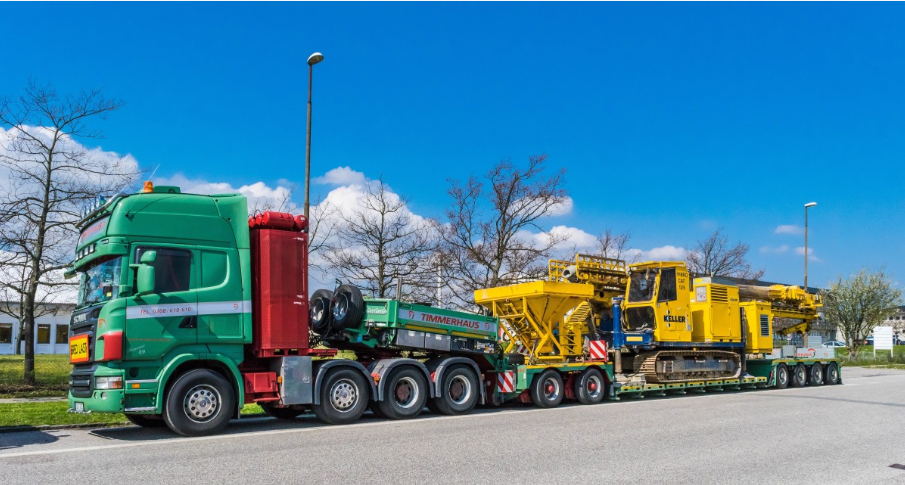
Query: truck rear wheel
[799,375]
[832,374]
[547,389]
[281,413]
[815,376]
[590,387]
[458,392]
[782,376]
[344,396]
[406,393]
[146,420]
[200,403]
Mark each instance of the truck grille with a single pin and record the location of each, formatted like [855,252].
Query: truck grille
[81,381]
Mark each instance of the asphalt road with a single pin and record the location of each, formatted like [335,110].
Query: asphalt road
[849,433]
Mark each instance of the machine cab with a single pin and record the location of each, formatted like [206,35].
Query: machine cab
[657,303]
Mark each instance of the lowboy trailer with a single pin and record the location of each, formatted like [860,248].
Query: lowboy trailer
[188,309]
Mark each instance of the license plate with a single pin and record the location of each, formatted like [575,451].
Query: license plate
[78,349]
[80,407]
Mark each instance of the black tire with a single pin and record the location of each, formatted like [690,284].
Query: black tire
[590,387]
[782,376]
[815,375]
[459,392]
[286,413]
[344,396]
[547,389]
[831,376]
[346,308]
[405,393]
[200,402]
[799,375]
[319,311]
[146,420]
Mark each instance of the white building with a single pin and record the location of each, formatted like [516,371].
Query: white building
[51,331]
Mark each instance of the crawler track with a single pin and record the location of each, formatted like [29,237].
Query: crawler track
[672,366]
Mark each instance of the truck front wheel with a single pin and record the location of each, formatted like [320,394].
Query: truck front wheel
[200,403]
[344,396]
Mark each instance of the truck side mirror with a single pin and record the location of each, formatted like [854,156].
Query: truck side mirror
[148,257]
[144,279]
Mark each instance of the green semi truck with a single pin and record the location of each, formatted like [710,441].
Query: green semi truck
[188,309]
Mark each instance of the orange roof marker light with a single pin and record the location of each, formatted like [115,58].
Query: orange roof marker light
[148,188]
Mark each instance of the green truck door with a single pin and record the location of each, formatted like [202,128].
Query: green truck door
[158,322]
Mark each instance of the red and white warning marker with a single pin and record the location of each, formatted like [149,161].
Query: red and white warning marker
[597,349]
[505,381]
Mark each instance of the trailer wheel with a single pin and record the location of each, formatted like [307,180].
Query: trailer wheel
[815,376]
[406,393]
[347,307]
[344,396]
[799,375]
[458,392]
[782,376]
[146,420]
[281,413]
[590,387]
[547,389]
[831,376]
[319,310]
[201,402]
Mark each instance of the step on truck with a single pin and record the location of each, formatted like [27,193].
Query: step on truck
[188,309]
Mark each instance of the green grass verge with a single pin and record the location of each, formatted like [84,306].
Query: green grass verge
[55,413]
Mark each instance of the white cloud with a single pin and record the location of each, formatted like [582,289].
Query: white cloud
[340,176]
[570,237]
[258,193]
[774,250]
[661,253]
[94,160]
[811,256]
[788,229]
[563,208]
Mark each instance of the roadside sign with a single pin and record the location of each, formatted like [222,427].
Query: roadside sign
[883,339]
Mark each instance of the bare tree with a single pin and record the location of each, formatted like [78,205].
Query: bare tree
[859,304]
[614,246]
[486,239]
[51,176]
[379,242]
[713,256]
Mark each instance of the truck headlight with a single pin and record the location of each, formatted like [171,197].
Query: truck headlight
[108,383]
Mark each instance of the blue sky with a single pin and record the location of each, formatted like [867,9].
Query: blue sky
[671,119]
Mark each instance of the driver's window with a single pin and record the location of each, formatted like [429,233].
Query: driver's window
[172,268]
[667,285]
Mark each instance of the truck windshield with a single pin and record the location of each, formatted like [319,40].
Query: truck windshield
[641,286]
[100,281]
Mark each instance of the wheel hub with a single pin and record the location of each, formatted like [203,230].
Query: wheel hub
[343,395]
[202,403]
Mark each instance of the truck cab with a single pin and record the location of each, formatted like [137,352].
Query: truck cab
[164,281]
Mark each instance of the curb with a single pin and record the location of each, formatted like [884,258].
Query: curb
[112,424]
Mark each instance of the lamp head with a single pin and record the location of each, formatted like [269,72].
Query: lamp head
[315,58]
[810,204]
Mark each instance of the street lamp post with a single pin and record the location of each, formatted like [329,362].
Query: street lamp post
[809,204]
[312,60]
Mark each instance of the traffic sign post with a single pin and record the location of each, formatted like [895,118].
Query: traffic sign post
[883,340]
